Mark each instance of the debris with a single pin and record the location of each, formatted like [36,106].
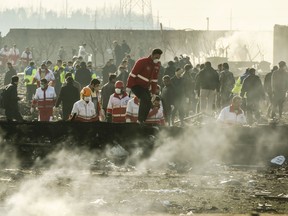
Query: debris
[99,202]
[231,182]
[279,160]
[176,190]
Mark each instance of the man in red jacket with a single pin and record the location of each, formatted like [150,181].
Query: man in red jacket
[144,75]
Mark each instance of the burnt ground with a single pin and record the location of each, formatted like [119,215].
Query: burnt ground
[108,189]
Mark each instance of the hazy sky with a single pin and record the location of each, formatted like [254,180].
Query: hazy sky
[182,14]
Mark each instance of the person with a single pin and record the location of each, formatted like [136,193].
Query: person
[189,88]
[131,62]
[116,109]
[83,75]
[253,89]
[239,82]
[43,73]
[207,83]
[29,73]
[118,53]
[107,90]
[122,74]
[227,82]
[14,55]
[75,83]
[26,57]
[82,52]
[61,53]
[59,75]
[109,68]
[125,48]
[167,96]
[170,69]
[95,96]
[279,84]
[4,56]
[10,100]
[233,114]
[268,89]
[44,99]
[69,94]
[9,74]
[132,110]
[179,94]
[155,115]
[144,75]
[84,110]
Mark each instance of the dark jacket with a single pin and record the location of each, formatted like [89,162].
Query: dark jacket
[167,96]
[11,97]
[227,81]
[83,76]
[253,88]
[106,70]
[107,90]
[69,94]
[208,78]
[279,81]
[8,76]
[170,71]
[189,84]
[268,84]
[179,89]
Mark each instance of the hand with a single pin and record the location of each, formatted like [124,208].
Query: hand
[32,110]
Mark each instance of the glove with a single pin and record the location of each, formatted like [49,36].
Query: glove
[32,110]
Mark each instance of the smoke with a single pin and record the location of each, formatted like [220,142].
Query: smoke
[64,183]
[246,46]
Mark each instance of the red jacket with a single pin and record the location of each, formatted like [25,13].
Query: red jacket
[144,73]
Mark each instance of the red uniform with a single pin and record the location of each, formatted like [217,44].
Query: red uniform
[117,107]
[145,74]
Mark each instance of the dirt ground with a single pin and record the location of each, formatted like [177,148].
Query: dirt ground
[108,189]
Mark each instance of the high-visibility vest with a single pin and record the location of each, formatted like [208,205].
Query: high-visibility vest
[29,74]
[237,87]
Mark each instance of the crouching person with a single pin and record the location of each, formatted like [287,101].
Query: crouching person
[155,115]
[84,109]
[233,114]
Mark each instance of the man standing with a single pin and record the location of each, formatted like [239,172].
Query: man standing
[107,90]
[207,83]
[44,99]
[10,101]
[144,75]
[9,74]
[69,94]
[29,74]
[227,82]
[14,55]
[279,84]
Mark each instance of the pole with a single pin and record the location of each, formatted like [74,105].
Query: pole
[207,18]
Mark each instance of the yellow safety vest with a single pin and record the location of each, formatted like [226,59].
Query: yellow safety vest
[29,74]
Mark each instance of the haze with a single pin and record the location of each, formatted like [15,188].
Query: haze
[183,14]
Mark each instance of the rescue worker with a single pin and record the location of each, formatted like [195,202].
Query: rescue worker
[44,99]
[26,57]
[14,55]
[144,75]
[132,110]
[116,109]
[233,114]
[69,94]
[83,110]
[10,101]
[155,115]
[29,73]
[59,74]
[44,73]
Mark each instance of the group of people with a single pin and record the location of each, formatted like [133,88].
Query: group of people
[146,92]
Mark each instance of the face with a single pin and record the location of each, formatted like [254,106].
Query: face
[156,56]
[156,103]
